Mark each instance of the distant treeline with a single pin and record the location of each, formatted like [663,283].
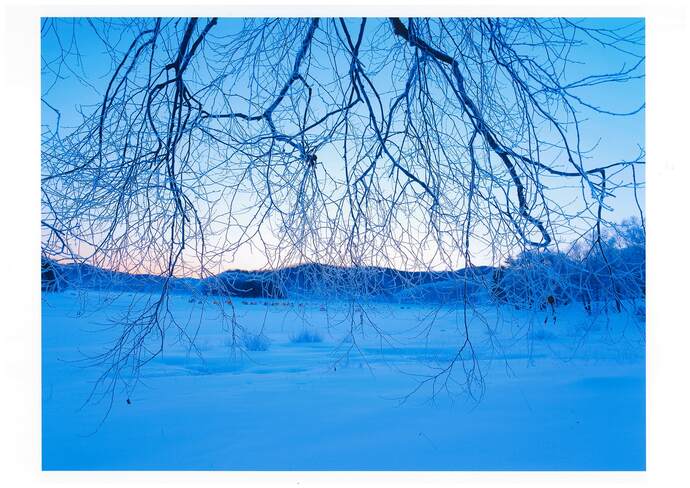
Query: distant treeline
[611,269]
[328,281]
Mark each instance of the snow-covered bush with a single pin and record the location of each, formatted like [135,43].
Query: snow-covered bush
[256,342]
[306,336]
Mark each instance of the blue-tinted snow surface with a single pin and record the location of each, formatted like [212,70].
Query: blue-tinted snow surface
[571,398]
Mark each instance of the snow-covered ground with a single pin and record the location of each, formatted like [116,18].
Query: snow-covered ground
[569,396]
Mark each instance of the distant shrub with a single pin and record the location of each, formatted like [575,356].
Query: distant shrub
[306,337]
[256,342]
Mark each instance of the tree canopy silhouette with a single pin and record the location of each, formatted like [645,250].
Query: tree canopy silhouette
[409,143]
